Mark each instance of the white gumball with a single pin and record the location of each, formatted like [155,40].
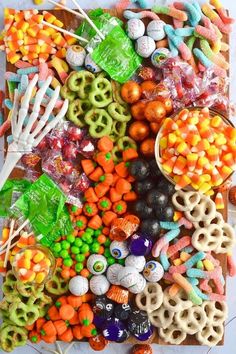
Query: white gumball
[119,250]
[78,285]
[90,65]
[145,46]
[137,262]
[99,285]
[155,30]
[139,286]
[97,264]
[75,56]
[153,271]
[128,276]
[135,28]
[112,273]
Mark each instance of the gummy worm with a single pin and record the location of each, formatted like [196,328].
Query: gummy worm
[169,225]
[183,282]
[188,264]
[222,12]
[205,20]
[206,33]
[184,32]
[193,14]
[165,10]
[190,42]
[128,14]
[29,70]
[141,3]
[185,222]
[179,245]
[231,265]
[163,257]
[217,60]
[214,17]
[208,64]
[174,51]
[169,236]
[215,275]
[177,23]
[178,42]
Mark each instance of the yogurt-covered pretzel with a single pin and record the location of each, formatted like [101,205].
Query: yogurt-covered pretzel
[205,209]
[210,335]
[217,219]
[207,238]
[150,298]
[216,312]
[227,240]
[185,201]
[161,317]
[178,302]
[172,334]
[191,320]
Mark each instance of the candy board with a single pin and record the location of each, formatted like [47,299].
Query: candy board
[71,22]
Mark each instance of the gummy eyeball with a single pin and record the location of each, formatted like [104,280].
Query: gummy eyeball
[159,57]
[145,46]
[128,276]
[137,262]
[90,65]
[96,264]
[155,30]
[75,55]
[153,271]
[99,284]
[119,250]
[78,285]
[112,273]
[139,286]
[135,28]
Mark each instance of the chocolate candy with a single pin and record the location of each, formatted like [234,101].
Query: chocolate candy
[140,245]
[113,329]
[124,336]
[138,323]
[122,311]
[145,336]
[103,307]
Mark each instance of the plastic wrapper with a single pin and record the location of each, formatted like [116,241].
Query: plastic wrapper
[43,204]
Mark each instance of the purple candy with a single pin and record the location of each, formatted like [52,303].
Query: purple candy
[140,245]
[99,322]
[144,336]
[113,329]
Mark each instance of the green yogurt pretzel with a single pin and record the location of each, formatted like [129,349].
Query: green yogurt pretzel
[125,143]
[99,121]
[12,336]
[57,285]
[76,111]
[118,130]
[66,93]
[119,112]
[80,82]
[9,285]
[28,290]
[22,314]
[101,92]
[116,154]
[116,91]
[42,302]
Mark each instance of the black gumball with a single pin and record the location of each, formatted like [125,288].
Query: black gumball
[139,169]
[154,169]
[165,214]
[142,210]
[156,198]
[166,186]
[150,227]
[142,187]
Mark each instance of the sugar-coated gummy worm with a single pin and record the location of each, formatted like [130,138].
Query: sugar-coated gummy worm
[184,32]
[165,10]
[169,236]
[174,51]
[176,23]
[190,42]
[128,14]
[183,282]
[222,12]
[207,33]
[208,63]
[178,42]
[231,265]
[188,264]
[194,16]
[217,60]
[178,246]
[164,258]
[215,18]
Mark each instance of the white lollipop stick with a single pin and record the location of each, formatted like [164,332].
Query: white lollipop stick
[15,243]
[25,139]
[88,19]
[66,8]
[16,233]
[59,29]
[9,243]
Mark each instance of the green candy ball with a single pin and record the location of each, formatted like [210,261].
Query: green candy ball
[75,250]
[68,262]
[97,233]
[57,247]
[64,254]
[78,242]
[107,242]
[111,260]
[107,253]
[80,258]
[121,261]
[94,248]
[65,245]
[70,238]
[84,248]
[89,230]
[78,267]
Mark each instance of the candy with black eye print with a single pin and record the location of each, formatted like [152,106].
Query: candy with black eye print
[119,250]
[153,271]
[97,264]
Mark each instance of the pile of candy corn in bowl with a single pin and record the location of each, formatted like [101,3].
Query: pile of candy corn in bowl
[119,156]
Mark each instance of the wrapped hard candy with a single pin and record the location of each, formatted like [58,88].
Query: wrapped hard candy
[160,56]
[145,46]
[112,273]
[119,250]
[97,264]
[137,262]
[140,245]
[78,285]
[75,56]
[135,28]
[103,307]
[153,271]
[113,329]
[122,311]
[99,284]
[139,325]
[155,30]
[139,286]
[128,276]
[90,65]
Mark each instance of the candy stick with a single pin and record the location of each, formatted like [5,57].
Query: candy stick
[16,233]
[188,264]
[66,8]
[164,10]
[163,257]
[178,246]
[59,29]
[208,63]
[184,32]
[183,282]
[222,12]
[128,14]
[193,14]
[215,18]
[231,265]
[169,236]
[177,42]
[12,224]
[216,59]
[207,33]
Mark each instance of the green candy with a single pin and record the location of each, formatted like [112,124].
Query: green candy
[107,253]
[65,245]
[119,112]
[75,250]
[64,254]
[70,238]
[78,242]
[107,242]
[89,230]
[74,208]
[68,262]
[84,248]
[78,267]
[97,233]
[99,121]
[121,261]
[94,248]
[80,258]
[111,260]
[57,247]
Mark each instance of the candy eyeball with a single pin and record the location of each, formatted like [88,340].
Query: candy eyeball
[78,285]
[112,273]
[135,28]
[119,250]
[137,262]
[128,276]
[75,55]
[155,30]
[99,284]
[139,286]
[145,46]
[90,65]
[153,271]
[96,264]
[159,57]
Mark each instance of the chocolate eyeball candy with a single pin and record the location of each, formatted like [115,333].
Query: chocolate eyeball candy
[78,285]
[155,30]
[128,276]
[140,245]
[112,273]
[90,65]
[75,55]
[119,250]
[135,28]
[145,46]
[160,56]
[153,271]
[137,262]
[99,284]
[97,264]
[139,286]
[103,307]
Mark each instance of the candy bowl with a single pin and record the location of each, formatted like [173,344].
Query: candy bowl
[34,264]
[195,149]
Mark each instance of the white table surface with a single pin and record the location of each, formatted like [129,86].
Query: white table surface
[230,334]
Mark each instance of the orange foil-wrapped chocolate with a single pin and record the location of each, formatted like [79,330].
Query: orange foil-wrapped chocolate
[118,294]
[141,349]
[122,228]
[232,195]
